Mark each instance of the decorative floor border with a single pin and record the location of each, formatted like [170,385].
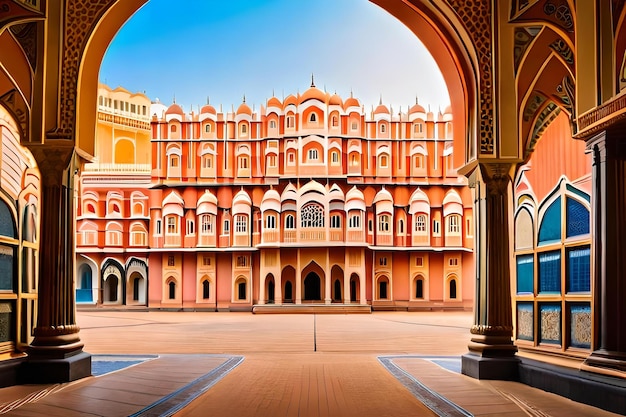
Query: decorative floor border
[438,404]
[179,399]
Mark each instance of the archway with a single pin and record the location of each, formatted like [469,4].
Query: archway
[136,291]
[312,287]
[111,284]
[84,293]
[336,276]
[288,279]
[354,288]
[271,289]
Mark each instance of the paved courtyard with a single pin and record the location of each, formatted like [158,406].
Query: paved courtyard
[241,364]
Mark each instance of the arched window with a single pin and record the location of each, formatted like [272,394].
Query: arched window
[172,290]
[335,221]
[454,224]
[335,121]
[312,155]
[289,222]
[270,222]
[383,128]
[243,162]
[400,226]
[290,122]
[272,124]
[241,223]
[384,161]
[207,128]
[171,225]
[312,215]
[206,224]
[206,289]
[383,223]
[173,128]
[355,221]
[313,117]
[244,129]
[420,224]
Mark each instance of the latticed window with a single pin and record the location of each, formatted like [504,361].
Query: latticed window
[270,222]
[206,224]
[241,224]
[355,221]
[335,221]
[420,224]
[383,223]
[312,215]
[454,224]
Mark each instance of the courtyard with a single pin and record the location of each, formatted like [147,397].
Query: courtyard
[240,364]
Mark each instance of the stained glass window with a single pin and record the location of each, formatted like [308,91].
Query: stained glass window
[579,269]
[550,230]
[577,218]
[525,273]
[550,272]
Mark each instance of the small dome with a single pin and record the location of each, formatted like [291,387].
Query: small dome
[174,109]
[381,109]
[351,102]
[291,99]
[207,108]
[244,109]
[417,108]
[313,93]
[274,102]
[335,100]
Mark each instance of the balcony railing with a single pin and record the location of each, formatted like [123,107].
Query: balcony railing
[206,240]
[117,168]
[384,240]
[313,235]
[270,236]
[172,241]
[289,236]
[356,236]
[336,235]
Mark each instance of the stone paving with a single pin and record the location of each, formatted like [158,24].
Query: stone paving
[282,365]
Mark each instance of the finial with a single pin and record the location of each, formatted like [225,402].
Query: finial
[208,100]
[351,92]
[244,98]
[273,95]
[174,98]
[416,100]
[381,99]
[312,81]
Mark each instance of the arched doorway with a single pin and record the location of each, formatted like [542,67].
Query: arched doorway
[288,293]
[354,288]
[271,289]
[136,289]
[336,275]
[312,287]
[111,284]
[84,293]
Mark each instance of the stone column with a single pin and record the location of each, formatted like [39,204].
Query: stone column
[298,295]
[328,282]
[491,349]
[56,353]
[608,228]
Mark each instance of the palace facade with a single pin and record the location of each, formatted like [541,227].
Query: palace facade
[309,200]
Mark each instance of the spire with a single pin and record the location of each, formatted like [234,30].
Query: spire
[380,102]
[312,81]
[244,98]
[208,100]
[174,98]
[416,99]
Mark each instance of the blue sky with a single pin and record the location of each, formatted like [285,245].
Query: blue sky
[224,50]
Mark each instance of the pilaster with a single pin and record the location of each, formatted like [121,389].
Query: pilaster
[491,349]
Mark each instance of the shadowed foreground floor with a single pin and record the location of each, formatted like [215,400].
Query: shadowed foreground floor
[240,364]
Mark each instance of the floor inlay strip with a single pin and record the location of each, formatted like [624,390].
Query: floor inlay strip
[438,404]
[177,400]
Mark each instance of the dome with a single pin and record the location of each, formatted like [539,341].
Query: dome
[351,102]
[157,109]
[244,109]
[335,100]
[174,109]
[417,108]
[274,102]
[381,109]
[313,93]
[207,108]
[291,99]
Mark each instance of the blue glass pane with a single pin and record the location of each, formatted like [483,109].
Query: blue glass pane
[550,229]
[525,321]
[579,270]
[550,323]
[577,218]
[7,225]
[525,274]
[550,272]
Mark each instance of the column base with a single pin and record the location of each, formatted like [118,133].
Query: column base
[42,370]
[482,367]
[607,359]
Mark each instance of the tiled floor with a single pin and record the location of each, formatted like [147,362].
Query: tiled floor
[239,364]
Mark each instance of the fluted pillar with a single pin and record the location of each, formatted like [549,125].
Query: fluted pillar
[608,228]
[56,352]
[491,349]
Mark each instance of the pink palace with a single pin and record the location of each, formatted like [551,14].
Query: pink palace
[308,202]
